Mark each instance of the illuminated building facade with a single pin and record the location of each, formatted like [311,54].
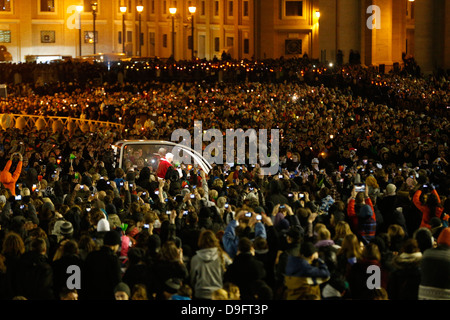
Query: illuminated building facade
[380,31]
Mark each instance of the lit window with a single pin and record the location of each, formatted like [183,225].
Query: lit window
[5,36]
[5,5]
[47,5]
[87,6]
[293,8]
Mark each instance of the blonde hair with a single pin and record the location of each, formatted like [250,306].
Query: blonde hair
[218,183]
[220,294]
[341,229]
[396,230]
[213,194]
[323,234]
[233,291]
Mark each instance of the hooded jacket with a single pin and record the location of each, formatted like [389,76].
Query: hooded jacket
[303,278]
[404,280]
[207,272]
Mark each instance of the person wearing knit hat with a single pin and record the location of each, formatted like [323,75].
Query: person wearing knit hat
[103,225]
[112,238]
[434,270]
[444,238]
[122,291]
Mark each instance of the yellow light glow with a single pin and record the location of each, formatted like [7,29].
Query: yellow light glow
[123,9]
[80,8]
[140,8]
[192,9]
[173,10]
[317,14]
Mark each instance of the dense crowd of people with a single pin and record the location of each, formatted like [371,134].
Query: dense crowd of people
[363,181]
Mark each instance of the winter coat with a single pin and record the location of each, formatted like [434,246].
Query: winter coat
[426,214]
[136,274]
[404,280]
[358,276]
[230,240]
[362,222]
[60,274]
[161,271]
[435,276]
[101,274]
[244,272]
[35,277]
[275,195]
[207,270]
[303,279]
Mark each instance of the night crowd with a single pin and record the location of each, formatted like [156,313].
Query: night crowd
[363,181]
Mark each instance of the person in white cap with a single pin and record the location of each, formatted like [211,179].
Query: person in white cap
[315,164]
[164,163]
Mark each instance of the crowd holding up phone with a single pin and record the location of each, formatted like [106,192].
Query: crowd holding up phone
[360,182]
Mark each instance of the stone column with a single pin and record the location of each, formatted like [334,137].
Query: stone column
[446,62]
[25,32]
[423,35]
[327,29]
[348,27]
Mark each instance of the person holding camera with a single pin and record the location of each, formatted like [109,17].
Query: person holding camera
[244,224]
[361,212]
[9,179]
[427,200]
[305,273]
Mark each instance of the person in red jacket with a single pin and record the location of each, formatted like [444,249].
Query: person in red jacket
[164,163]
[431,208]
[9,180]
[362,215]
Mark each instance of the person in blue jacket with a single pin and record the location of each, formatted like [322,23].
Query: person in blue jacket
[305,273]
[244,224]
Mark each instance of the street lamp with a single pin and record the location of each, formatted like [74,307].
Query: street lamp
[317,14]
[192,10]
[79,10]
[123,9]
[139,9]
[173,11]
[94,6]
